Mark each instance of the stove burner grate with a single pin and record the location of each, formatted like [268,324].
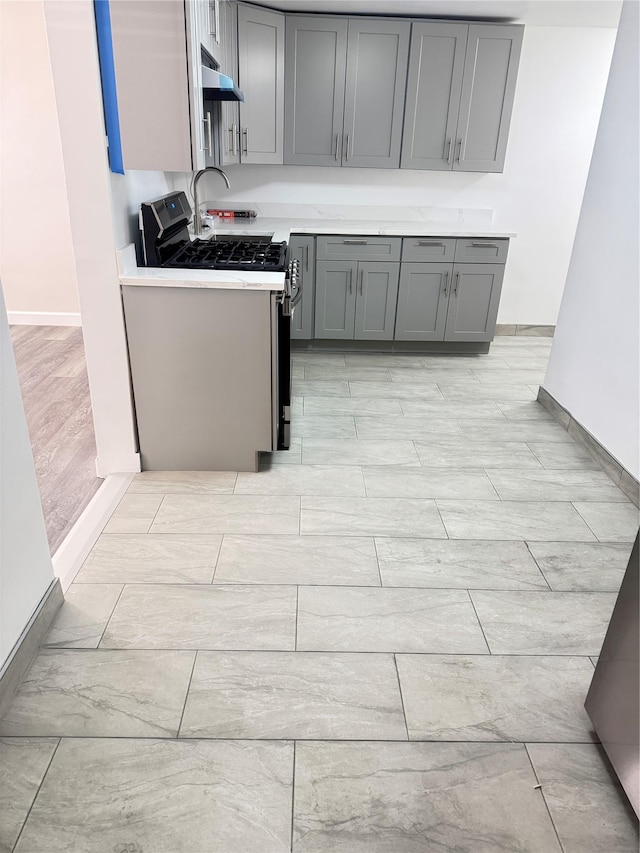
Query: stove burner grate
[256,255]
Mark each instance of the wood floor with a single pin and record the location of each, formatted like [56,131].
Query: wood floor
[55,391]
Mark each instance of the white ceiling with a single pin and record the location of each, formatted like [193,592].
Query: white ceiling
[542,13]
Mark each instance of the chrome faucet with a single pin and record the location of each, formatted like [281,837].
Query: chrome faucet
[197,219]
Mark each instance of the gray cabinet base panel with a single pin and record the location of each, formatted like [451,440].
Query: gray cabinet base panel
[391,346]
[201,375]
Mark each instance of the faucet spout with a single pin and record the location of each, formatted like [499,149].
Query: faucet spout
[197,219]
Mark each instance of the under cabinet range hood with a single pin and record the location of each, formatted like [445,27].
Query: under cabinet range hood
[219,87]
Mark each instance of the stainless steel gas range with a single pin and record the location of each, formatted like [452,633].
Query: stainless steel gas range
[202,354]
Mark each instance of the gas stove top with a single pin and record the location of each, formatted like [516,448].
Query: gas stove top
[231,254]
[164,224]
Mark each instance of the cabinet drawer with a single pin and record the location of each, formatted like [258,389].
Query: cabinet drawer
[428,249]
[482,250]
[347,248]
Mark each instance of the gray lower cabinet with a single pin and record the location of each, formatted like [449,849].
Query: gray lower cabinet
[355,301]
[473,302]
[423,297]
[448,302]
[302,249]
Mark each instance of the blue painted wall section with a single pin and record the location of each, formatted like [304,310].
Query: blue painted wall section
[108,76]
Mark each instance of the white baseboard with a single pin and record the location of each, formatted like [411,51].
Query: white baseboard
[127,463]
[82,537]
[43,318]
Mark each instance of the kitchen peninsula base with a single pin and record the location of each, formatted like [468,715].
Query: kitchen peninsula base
[201,368]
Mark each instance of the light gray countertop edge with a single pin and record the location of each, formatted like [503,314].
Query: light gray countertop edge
[280,230]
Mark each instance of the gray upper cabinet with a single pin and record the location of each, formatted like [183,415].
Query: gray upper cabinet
[261,78]
[460,94]
[344,91]
[473,302]
[377,53]
[302,249]
[229,110]
[434,86]
[488,89]
[423,297]
[315,62]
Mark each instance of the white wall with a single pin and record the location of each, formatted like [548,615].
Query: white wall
[594,366]
[76,78]
[33,199]
[127,192]
[25,565]
[561,82]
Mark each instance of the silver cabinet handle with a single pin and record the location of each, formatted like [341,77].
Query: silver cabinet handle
[231,140]
[337,153]
[459,144]
[346,146]
[484,245]
[455,286]
[355,242]
[446,282]
[234,139]
[361,281]
[450,152]
[306,258]
[208,147]
[430,243]
[245,135]
[214,20]
[351,280]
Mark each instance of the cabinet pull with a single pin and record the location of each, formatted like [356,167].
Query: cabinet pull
[245,134]
[235,147]
[207,123]
[351,280]
[346,147]
[450,152]
[430,243]
[484,245]
[337,153]
[306,257]
[446,282]
[355,242]
[455,286]
[459,145]
[214,20]
[361,281]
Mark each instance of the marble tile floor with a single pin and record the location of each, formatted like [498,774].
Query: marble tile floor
[380,643]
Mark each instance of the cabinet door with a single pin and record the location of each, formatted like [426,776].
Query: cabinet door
[155,32]
[302,249]
[473,302]
[490,71]
[335,299]
[376,77]
[314,90]
[377,293]
[423,296]
[434,86]
[261,78]
[229,110]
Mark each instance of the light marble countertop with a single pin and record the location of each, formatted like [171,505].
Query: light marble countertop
[279,228]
